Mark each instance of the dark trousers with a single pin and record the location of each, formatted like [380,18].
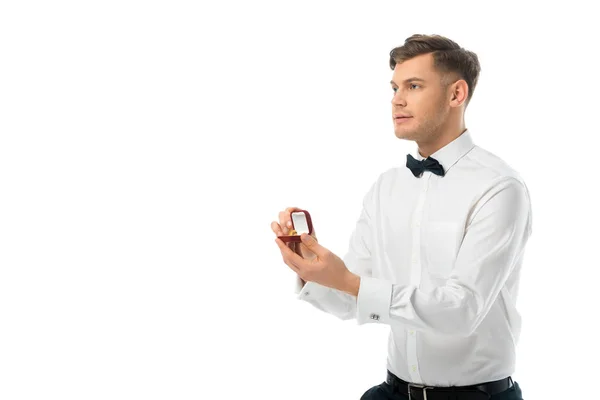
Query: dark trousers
[383,391]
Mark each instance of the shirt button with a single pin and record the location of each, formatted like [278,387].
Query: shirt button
[412,333]
[306,293]
[418,224]
[414,368]
[374,316]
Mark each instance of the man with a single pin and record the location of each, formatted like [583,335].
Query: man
[438,248]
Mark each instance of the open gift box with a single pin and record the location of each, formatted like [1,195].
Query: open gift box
[301,223]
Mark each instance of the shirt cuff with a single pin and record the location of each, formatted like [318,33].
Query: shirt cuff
[298,285]
[374,300]
[311,291]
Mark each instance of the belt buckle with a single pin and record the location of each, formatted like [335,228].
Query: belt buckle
[419,387]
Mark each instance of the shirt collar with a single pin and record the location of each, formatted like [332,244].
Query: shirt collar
[452,152]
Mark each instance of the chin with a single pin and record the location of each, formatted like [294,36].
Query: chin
[404,134]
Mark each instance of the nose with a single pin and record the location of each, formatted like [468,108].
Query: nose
[398,99]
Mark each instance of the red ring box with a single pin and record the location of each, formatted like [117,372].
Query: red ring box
[301,223]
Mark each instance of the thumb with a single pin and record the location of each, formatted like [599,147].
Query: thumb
[312,244]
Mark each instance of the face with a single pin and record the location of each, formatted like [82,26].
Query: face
[420,97]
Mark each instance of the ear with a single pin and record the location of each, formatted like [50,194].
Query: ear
[459,91]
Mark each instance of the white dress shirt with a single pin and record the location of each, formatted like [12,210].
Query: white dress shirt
[439,259]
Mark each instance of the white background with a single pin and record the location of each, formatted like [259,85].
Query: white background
[145,148]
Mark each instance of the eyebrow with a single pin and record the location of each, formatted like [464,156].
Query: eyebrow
[409,80]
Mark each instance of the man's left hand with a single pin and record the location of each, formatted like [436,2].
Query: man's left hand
[325,268]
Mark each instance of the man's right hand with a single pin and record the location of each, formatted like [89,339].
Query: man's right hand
[284,226]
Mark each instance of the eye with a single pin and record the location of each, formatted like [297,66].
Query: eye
[410,86]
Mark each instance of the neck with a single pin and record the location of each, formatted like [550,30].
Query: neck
[441,139]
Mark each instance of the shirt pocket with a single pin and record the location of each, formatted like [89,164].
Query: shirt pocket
[440,242]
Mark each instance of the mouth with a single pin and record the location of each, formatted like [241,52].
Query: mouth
[401,119]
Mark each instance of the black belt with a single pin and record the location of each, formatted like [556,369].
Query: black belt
[423,392]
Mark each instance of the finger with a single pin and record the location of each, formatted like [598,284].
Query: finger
[313,245]
[287,262]
[305,252]
[285,217]
[289,255]
[276,228]
[283,222]
[292,266]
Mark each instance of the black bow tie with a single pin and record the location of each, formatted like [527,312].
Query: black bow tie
[417,167]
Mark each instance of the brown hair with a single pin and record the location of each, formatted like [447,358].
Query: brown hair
[448,58]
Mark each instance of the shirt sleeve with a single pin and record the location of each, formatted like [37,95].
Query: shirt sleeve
[357,259]
[493,243]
